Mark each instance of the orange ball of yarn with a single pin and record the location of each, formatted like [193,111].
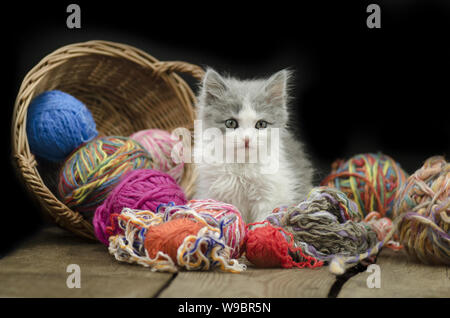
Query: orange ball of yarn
[168,236]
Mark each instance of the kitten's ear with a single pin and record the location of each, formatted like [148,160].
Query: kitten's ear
[213,86]
[276,88]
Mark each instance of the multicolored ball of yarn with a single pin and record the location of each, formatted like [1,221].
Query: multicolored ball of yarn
[371,180]
[326,224]
[423,207]
[217,214]
[184,241]
[93,170]
[57,123]
[382,226]
[142,189]
[421,217]
[164,150]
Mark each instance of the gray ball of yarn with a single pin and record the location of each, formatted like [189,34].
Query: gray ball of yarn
[326,224]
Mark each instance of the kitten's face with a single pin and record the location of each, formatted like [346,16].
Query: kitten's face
[244,111]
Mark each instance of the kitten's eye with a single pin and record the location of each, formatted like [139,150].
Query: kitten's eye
[261,124]
[231,123]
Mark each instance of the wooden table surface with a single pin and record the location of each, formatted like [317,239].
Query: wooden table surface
[38,268]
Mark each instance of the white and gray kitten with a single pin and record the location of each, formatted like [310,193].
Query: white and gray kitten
[243,110]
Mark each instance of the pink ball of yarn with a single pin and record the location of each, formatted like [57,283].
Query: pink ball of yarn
[234,231]
[142,189]
[161,146]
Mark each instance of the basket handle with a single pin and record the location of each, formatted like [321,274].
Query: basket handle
[179,66]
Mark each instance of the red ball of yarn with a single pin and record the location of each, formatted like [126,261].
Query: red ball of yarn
[141,189]
[266,246]
[168,236]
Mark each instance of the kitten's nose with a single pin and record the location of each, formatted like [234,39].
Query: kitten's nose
[247,141]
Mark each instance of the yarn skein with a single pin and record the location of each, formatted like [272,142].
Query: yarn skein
[94,169]
[326,224]
[182,242]
[268,246]
[371,180]
[217,214]
[215,211]
[423,205]
[57,123]
[421,217]
[162,148]
[142,189]
[168,236]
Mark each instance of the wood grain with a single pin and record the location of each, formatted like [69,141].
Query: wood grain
[401,277]
[38,268]
[254,282]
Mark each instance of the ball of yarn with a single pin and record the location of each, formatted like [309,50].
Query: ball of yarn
[143,189]
[270,246]
[371,180]
[168,236]
[382,226]
[93,170]
[161,146]
[216,212]
[57,123]
[326,224]
[423,206]
[267,247]
[183,239]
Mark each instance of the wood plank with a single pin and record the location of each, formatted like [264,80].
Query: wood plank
[254,282]
[38,268]
[400,277]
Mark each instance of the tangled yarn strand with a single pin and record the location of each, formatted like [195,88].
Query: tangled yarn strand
[129,247]
[339,263]
[326,224]
[216,212]
[149,239]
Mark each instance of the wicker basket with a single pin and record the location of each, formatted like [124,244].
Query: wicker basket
[126,90]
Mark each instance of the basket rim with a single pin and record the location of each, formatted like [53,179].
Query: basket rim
[24,162]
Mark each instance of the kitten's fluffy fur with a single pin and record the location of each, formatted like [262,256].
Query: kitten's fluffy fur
[255,194]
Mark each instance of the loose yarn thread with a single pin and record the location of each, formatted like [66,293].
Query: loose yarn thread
[93,170]
[201,251]
[371,180]
[215,212]
[163,150]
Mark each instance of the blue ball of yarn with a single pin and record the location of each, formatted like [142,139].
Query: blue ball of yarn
[57,123]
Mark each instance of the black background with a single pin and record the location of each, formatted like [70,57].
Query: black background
[356,89]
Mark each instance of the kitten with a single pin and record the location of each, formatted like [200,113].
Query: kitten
[248,113]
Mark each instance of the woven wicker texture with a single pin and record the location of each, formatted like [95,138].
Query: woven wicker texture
[126,90]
